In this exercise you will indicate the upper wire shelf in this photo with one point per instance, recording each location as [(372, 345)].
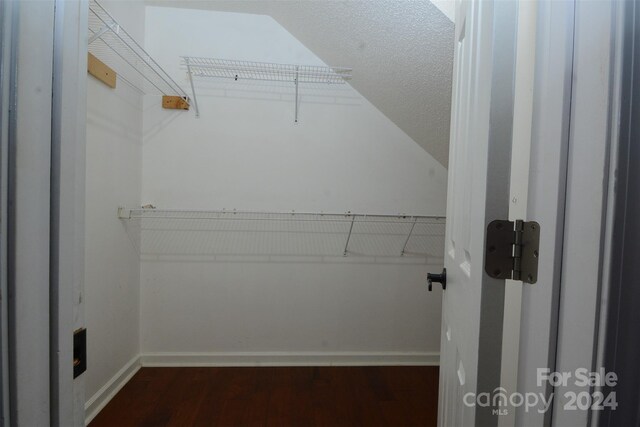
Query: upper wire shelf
[(109, 42), (250, 70), (267, 71), (183, 233)]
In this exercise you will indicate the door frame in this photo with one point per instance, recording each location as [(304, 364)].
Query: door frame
[(28, 215), (42, 182), (588, 206), (546, 198), (618, 350), (68, 160), (572, 129)]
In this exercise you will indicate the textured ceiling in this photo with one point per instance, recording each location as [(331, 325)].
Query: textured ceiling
[(401, 52)]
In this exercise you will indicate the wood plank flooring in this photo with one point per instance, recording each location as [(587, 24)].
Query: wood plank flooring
[(274, 396)]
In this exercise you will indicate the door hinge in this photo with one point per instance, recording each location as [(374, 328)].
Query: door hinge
[(512, 250)]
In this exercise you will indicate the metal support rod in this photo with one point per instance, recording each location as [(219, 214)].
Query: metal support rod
[(408, 236), (346, 245), (193, 91), (297, 96)]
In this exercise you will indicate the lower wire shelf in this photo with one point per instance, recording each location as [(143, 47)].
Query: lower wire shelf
[(173, 232)]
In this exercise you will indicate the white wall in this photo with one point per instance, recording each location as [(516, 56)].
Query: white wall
[(245, 152), (112, 275)]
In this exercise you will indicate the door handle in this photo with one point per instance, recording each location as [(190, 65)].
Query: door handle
[(438, 278)]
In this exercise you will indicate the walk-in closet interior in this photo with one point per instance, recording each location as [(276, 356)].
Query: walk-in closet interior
[(266, 185)]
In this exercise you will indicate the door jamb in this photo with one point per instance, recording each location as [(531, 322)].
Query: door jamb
[(549, 309), (68, 160), (28, 216)]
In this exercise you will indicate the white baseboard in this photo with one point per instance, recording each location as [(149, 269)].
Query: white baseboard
[(291, 359), (110, 389)]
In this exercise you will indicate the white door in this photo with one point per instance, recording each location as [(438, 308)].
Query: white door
[(479, 169)]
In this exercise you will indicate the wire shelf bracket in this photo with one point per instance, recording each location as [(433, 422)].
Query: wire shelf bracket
[(113, 46), (265, 71)]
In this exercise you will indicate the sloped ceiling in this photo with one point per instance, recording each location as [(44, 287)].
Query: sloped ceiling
[(401, 52)]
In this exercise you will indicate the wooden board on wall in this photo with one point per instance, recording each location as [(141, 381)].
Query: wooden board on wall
[(101, 71), (174, 103)]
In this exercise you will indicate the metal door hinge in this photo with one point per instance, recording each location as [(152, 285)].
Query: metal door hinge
[(512, 250)]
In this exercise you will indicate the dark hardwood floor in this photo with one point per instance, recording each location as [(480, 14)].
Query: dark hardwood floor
[(288, 396)]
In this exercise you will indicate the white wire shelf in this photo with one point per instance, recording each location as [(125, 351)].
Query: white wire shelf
[(266, 71), (250, 70), (113, 45), (183, 233)]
